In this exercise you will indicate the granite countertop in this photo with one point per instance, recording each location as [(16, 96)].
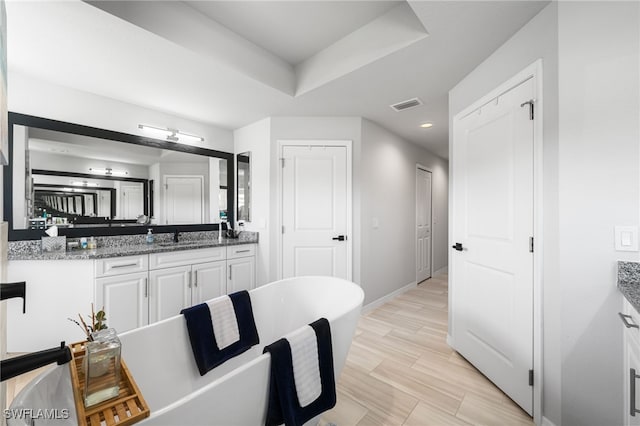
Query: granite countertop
[(629, 282), (128, 246)]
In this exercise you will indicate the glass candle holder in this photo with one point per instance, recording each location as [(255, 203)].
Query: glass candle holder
[(102, 367)]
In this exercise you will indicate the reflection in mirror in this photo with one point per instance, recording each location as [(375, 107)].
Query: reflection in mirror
[(83, 181), (244, 186)]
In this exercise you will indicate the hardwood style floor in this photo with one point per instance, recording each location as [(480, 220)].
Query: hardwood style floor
[(400, 370)]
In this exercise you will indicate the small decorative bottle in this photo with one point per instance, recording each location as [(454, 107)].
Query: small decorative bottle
[(149, 236), (102, 367)]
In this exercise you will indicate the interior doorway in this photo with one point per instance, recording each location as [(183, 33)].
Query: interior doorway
[(493, 279), (184, 199), (315, 209), (424, 239)]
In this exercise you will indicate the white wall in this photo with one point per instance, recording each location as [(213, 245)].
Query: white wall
[(35, 97), (375, 151), (388, 194), (255, 138), (599, 187), (67, 163)]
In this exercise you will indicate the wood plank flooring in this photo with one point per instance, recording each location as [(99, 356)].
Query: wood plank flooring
[(400, 370)]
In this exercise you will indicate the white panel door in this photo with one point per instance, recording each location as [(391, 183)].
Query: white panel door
[(124, 298), (184, 199), (492, 283), (131, 201), (423, 224), (209, 281), (241, 274), (169, 292), (314, 211)]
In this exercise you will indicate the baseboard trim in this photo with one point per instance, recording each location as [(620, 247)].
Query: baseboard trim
[(384, 299), (546, 422), (441, 271)]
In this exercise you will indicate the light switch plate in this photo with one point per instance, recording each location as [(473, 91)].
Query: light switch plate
[(626, 238)]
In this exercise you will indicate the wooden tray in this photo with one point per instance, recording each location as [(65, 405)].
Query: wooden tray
[(127, 408)]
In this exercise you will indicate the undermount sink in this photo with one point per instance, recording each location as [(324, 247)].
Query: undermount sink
[(178, 244)]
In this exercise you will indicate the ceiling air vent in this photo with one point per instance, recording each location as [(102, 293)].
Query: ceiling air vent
[(409, 103)]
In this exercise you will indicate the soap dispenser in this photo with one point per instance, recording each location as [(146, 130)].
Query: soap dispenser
[(149, 236)]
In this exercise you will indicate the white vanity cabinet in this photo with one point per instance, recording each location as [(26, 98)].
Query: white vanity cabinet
[(121, 288), (134, 290), (181, 279), (169, 292), (124, 299), (631, 362), (241, 267), (209, 281)]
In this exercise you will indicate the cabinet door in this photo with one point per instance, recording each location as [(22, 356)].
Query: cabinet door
[(632, 383), (124, 298), (169, 292), (209, 281), (241, 274)]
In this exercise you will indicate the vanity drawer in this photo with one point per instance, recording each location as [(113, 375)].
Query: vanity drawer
[(121, 265), (185, 257), (243, 250)]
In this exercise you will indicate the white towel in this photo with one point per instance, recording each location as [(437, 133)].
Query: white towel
[(306, 368), (225, 324)]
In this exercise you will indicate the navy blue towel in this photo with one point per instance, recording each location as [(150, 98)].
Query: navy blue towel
[(283, 397), (203, 340)]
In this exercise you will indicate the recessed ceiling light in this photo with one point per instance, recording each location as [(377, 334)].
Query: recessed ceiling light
[(426, 125)]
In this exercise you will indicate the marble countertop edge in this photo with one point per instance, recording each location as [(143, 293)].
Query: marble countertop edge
[(132, 250), (629, 282)]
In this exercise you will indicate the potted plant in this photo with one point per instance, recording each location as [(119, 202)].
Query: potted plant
[(97, 321)]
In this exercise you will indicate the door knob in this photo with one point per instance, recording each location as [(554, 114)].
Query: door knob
[(457, 246), (340, 238)]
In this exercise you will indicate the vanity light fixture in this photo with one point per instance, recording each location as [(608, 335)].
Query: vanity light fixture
[(426, 125), (187, 137), (83, 183), (109, 171), (172, 135), (156, 130)]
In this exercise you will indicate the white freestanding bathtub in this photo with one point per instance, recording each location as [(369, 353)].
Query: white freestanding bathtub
[(235, 393)]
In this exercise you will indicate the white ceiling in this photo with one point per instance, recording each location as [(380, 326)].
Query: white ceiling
[(293, 31), (239, 68)]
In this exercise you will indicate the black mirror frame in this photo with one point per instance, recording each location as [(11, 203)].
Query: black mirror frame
[(238, 161), (78, 129)]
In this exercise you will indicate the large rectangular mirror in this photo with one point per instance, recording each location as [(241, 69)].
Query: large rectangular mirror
[(108, 183), (244, 186)]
